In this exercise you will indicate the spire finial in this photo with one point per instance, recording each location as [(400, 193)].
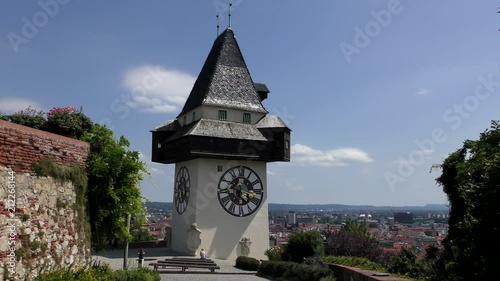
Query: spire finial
[(230, 5), (218, 25)]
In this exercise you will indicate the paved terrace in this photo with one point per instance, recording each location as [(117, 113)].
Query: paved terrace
[(227, 271)]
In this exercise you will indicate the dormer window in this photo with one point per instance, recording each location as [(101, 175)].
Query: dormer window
[(247, 118), (222, 115), (184, 120), (194, 116)]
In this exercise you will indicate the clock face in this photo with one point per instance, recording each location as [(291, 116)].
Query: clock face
[(181, 190), (240, 191)]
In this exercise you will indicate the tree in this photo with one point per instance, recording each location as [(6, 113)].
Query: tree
[(139, 232), (406, 262), (471, 179), (113, 176), (302, 245), (354, 239)]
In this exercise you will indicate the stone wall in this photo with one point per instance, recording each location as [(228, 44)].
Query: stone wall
[(41, 229)]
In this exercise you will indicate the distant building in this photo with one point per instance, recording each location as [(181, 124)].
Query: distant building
[(292, 217), (364, 217), (402, 217)]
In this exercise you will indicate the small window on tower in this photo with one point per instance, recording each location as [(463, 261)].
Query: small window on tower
[(287, 144), (247, 118), (222, 115), (184, 120), (219, 168)]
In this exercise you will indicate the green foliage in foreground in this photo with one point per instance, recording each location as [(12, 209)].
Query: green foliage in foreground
[(362, 263), (99, 273), (247, 263), (303, 245), (294, 271), (141, 274), (114, 174), (275, 254), (471, 180)]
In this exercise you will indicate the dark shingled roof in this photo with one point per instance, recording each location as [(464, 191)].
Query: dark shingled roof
[(271, 121), (170, 125), (224, 80), (261, 87), (219, 129)]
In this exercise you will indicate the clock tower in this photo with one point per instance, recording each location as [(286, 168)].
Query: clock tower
[(221, 142)]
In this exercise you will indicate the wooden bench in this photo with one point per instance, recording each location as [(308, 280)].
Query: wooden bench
[(191, 260), (183, 265), (186, 262)]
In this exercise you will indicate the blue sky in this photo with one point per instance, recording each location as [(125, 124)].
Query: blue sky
[(376, 92)]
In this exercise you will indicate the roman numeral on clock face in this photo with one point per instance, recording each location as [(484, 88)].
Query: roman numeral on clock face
[(232, 173), (240, 191), (225, 200), (256, 201)]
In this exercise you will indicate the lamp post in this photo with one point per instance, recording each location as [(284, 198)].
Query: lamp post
[(125, 254)]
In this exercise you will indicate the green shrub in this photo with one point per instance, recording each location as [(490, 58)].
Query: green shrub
[(274, 268), (279, 268), (303, 245), (95, 273), (305, 272), (292, 271), (141, 274), (265, 268), (362, 263), (275, 254), (247, 263), (99, 273), (68, 121), (328, 278), (28, 117), (407, 263)]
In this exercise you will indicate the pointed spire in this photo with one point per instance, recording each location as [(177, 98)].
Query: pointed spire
[(230, 5), (224, 80), (217, 26)]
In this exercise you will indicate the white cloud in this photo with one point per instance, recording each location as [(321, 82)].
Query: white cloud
[(156, 171), (156, 89), (305, 155), (423, 92), (294, 186), (11, 105), (151, 165)]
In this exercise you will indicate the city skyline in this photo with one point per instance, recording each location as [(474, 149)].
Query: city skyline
[(375, 93)]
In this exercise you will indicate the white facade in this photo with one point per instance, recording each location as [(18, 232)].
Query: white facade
[(221, 232)]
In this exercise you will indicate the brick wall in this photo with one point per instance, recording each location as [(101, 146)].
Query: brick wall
[(21, 146)]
